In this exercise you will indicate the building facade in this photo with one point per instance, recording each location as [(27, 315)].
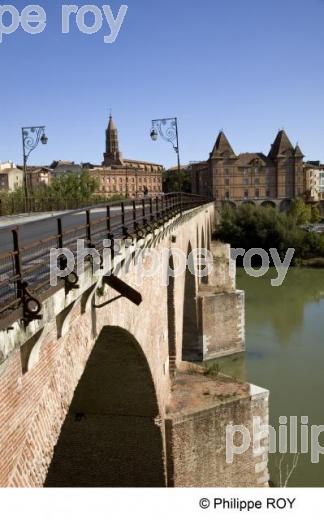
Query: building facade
[(127, 177), (11, 177), (314, 181), (273, 179)]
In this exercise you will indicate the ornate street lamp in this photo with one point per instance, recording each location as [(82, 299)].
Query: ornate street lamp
[(31, 136), (168, 131)]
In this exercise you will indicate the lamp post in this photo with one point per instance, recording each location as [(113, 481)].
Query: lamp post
[(31, 136), (168, 130)]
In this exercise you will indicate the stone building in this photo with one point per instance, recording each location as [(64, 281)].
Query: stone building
[(38, 176), (128, 177), (314, 181), (274, 179), (11, 177)]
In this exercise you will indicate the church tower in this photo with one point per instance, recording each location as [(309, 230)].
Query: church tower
[(112, 155)]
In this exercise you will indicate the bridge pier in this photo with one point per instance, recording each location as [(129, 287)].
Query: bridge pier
[(96, 368), (220, 311), (202, 407)]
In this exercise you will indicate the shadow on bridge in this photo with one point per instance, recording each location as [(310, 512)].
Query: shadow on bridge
[(191, 342), (109, 437)]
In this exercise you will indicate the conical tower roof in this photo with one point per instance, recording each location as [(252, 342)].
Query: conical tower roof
[(298, 152), (222, 146), (111, 124), (281, 145)]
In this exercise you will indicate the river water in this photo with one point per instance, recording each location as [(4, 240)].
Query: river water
[(285, 353)]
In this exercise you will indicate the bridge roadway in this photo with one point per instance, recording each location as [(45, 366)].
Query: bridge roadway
[(28, 260), (43, 227)]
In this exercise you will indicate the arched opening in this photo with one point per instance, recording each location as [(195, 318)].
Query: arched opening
[(248, 202), (229, 204), (268, 204), (171, 321), (321, 205), (110, 437), (191, 350), (285, 205)]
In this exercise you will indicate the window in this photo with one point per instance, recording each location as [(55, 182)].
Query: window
[(227, 195), (246, 182), (246, 194), (256, 180), (226, 171), (268, 193), (257, 193), (226, 182)]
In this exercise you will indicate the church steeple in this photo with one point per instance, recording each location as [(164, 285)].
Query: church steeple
[(112, 154)]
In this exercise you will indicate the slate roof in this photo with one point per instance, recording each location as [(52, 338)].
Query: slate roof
[(281, 145), (222, 147)]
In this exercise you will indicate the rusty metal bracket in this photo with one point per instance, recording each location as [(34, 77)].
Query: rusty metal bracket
[(71, 282), (31, 305), (124, 290)]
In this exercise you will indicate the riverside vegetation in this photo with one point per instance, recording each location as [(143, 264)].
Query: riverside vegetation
[(252, 226)]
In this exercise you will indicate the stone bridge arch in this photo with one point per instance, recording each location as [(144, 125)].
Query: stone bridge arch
[(47, 378), (110, 436)]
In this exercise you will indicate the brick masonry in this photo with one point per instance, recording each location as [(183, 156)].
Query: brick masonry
[(41, 366)]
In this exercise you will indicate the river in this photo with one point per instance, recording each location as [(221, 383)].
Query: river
[(285, 353)]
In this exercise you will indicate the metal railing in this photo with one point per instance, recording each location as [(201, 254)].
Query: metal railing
[(25, 268), (12, 205)]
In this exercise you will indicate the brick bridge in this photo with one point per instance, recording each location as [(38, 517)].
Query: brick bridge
[(100, 388)]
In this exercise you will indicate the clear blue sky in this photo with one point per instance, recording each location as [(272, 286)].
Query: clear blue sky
[(247, 66)]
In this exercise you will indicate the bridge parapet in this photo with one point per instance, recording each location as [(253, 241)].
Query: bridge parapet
[(94, 360)]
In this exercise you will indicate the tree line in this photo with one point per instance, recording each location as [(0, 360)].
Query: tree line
[(250, 226)]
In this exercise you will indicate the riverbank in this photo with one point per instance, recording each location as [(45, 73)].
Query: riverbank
[(314, 263)]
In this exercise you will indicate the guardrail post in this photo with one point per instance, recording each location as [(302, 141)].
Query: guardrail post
[(88, 228), (124, 228), (17, 262), (110, 236), (144, 212), (60, 241), (122, 206), (151, 209), (134, 212), (163, 207), (108, 221), (157, 207)]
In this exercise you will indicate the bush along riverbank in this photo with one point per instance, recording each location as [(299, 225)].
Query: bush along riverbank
[(250, 226)]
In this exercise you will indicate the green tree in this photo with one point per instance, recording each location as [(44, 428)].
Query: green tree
[(256, 227), (300, 211), (73, 186), (171, 181), (315, 214)]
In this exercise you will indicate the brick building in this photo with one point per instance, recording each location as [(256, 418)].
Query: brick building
[(273, 179), (127, 177)]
